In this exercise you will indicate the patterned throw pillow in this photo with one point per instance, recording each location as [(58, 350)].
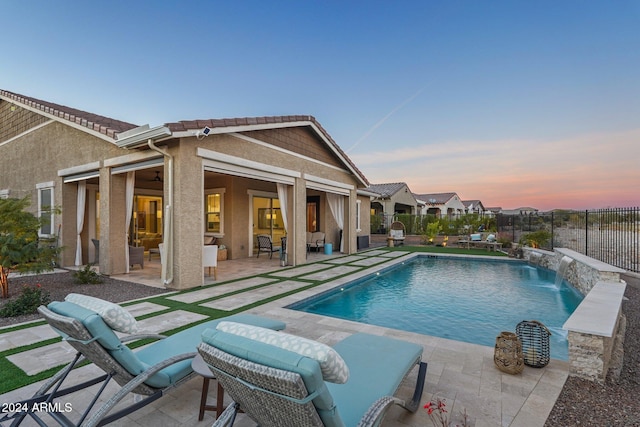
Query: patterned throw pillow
[(113, 315), (333, 367)]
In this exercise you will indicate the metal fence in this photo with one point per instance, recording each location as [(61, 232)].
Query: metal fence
[(610, 235)]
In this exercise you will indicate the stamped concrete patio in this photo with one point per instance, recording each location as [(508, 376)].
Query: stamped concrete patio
[(462, 373)]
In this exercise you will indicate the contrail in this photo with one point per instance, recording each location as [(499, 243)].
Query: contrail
[(385, 118)]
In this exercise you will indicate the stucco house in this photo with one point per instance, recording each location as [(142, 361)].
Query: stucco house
[(392, 198), (475, 207), (178, 183), (443, 205)]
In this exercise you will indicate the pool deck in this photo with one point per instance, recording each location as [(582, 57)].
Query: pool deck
[(462, 373)]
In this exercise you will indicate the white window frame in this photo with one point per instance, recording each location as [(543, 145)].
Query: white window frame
[(4, 194), (358, 219), (41, 187), (220, 191)]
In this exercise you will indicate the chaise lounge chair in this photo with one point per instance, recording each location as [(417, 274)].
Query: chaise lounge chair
[(280, 380), (88, 325)]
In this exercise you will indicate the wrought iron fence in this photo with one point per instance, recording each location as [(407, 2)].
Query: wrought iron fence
[(610, 235)]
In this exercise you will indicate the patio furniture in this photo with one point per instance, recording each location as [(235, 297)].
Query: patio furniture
[(315, 240), (136, 255), (210, 259), (89, 324), (265, 244), (96, 244), (397, 233), (201, 368), (280, 380)]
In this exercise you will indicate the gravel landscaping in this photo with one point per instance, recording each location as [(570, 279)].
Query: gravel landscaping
[(581, 403)]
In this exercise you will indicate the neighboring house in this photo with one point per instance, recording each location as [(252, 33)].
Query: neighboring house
[(178, 183), (494, 210), (474, 207), (443, 205), (392, 198), (519, 211)]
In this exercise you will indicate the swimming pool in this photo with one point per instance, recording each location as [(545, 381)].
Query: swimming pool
[(466, 300)]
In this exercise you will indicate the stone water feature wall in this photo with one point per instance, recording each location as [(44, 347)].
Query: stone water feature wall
[(596, 328)]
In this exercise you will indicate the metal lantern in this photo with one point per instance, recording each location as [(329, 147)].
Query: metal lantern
[(508, 353), (534, 337)]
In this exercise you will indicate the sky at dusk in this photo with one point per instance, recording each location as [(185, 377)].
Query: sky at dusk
[(514, 103)]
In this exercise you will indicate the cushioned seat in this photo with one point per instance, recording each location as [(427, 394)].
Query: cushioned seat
[(282, 380), (88, 325)]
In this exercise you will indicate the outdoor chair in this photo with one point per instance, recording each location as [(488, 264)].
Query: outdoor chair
[(280, 380), (210, 259), (136, 255), (96, 243), (315, 240), (397, 233), (265, 244), (89, 324)]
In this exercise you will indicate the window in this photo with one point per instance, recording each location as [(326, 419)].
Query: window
[(358, 228), (45, 208), (4, 194), (214, 211)]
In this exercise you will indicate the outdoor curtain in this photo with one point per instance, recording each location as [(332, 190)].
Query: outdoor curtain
[(82, 196), (336, 204), (282, 197), (131, 180)]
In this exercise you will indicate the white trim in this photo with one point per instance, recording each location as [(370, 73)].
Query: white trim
[(81, 177), (138, 156), (237, 166), (13, 138), (284, 150), (148, 164), (327, 185), (241, 128), (358, 213), (48, 184), (4, 194), (88, 167)]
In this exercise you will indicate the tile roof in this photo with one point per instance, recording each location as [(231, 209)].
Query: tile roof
[(439, 198), (111, 127), (104, 125), (185, 125), (387, 189)]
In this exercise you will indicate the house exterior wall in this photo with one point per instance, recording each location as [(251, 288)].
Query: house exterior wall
[(37, 156)]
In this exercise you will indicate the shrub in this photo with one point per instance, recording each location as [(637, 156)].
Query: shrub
[(537, 239), (30, 298), (86, 276)]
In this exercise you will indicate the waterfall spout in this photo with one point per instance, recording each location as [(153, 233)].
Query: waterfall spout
[(562, 269)]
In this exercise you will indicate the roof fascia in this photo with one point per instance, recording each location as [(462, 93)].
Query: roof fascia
[(60, 120), (140, 136), (265, 126)]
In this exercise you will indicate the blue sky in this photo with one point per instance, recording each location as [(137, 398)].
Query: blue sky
[(515, 103)]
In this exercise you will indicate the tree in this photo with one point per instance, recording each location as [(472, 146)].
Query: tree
[(20, 247)]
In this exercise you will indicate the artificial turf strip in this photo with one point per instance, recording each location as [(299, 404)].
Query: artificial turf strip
[(12, 377)]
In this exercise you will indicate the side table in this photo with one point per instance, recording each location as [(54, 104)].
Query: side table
[(200, 367)]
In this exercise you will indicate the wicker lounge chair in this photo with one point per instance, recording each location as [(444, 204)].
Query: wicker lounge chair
[(397, 232), (151, 371), (278, 385)]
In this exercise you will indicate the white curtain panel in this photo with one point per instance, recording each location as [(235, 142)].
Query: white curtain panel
[(282, 197), (129, 186), (82, 197), (336, 204)]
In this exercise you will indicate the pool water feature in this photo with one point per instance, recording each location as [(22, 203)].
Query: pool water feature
[(466, 300)]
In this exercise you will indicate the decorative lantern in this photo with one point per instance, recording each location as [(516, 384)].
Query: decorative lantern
[(508, 353), (534, 337)]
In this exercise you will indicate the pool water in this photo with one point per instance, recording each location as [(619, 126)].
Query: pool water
[(464, 300)]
